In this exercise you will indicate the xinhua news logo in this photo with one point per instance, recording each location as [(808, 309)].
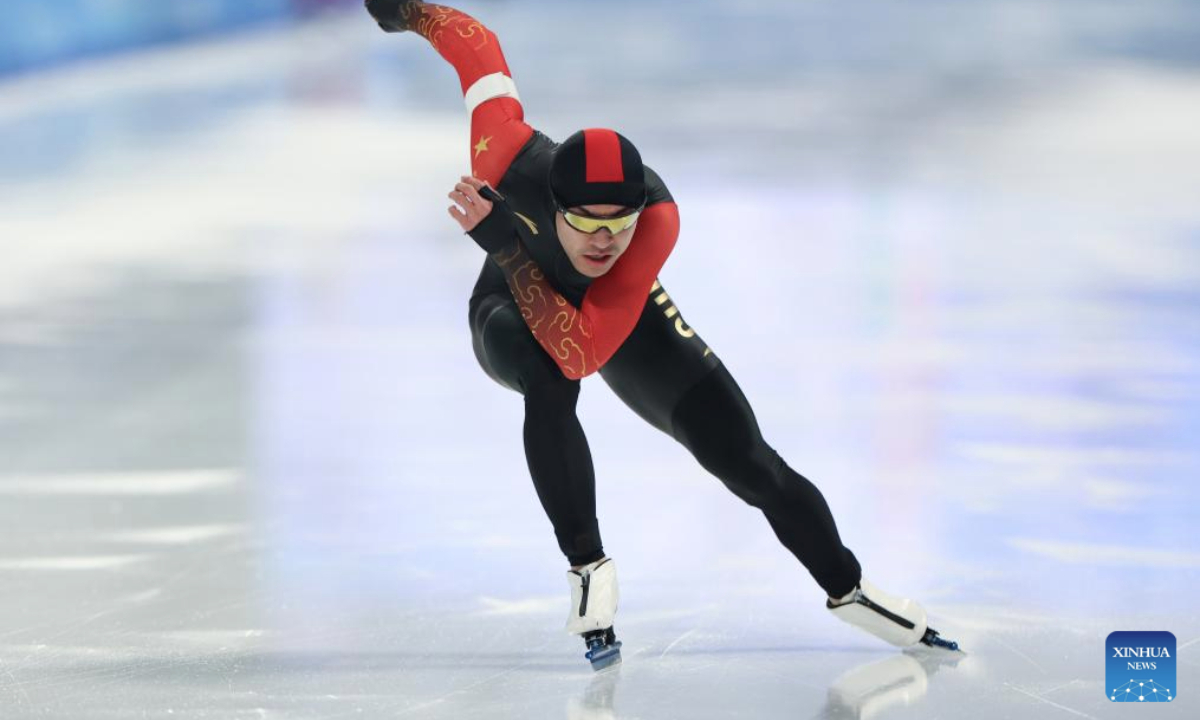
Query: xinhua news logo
[(1140, 666)]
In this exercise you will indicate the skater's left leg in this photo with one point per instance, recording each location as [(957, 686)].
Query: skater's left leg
[(670, 377), (715, 422)]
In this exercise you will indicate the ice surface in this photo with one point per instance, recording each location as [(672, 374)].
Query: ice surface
[(249, 467)]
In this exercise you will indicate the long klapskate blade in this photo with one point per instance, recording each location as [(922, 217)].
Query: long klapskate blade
[(606, 659), (603, 657), (933, 639)]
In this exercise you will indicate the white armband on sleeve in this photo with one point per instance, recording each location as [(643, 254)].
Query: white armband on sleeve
[(488, 87)]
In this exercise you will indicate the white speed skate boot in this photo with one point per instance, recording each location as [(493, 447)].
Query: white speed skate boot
[(593, 607), (899, 621)]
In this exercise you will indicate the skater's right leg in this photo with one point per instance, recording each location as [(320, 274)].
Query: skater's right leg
[(559, 462), (556, 448)]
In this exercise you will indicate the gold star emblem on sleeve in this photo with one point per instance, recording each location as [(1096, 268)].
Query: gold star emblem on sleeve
[(481, 146)]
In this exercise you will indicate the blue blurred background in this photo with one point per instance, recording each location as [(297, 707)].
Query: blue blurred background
[(36, 33)]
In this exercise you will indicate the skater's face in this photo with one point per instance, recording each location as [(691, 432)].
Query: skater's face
[(594, 254)]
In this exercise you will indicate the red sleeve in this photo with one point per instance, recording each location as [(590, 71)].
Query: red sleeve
[(498, 127), (581, 340)]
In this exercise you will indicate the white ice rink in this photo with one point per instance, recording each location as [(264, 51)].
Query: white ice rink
[(249, 467)]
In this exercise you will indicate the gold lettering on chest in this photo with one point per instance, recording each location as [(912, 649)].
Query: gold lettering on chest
[(661, 298)]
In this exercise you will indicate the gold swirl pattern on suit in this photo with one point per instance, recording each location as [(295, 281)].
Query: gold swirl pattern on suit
[(563, 321), (434, 19), (565, 351), (431, 21), (557, 325), (473, 29)]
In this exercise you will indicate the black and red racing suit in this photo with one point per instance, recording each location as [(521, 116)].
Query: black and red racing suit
[(538, 326)]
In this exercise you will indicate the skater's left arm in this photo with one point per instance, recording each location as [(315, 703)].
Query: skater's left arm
[(614, 301)]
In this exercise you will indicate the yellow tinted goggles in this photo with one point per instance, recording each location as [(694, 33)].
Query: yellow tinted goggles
[(588, 224)]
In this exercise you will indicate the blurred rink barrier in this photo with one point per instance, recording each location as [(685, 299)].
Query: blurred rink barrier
[(38, 33)]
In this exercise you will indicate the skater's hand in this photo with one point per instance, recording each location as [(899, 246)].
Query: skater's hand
[(491, 229), (472, 207)]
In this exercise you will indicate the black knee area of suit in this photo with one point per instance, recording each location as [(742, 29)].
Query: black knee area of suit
[(716, 423), (505, 348), (752, 471), (550, 393)]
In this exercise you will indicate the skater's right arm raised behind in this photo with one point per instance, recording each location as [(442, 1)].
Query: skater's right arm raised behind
[(582, 339), (498, 127)]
